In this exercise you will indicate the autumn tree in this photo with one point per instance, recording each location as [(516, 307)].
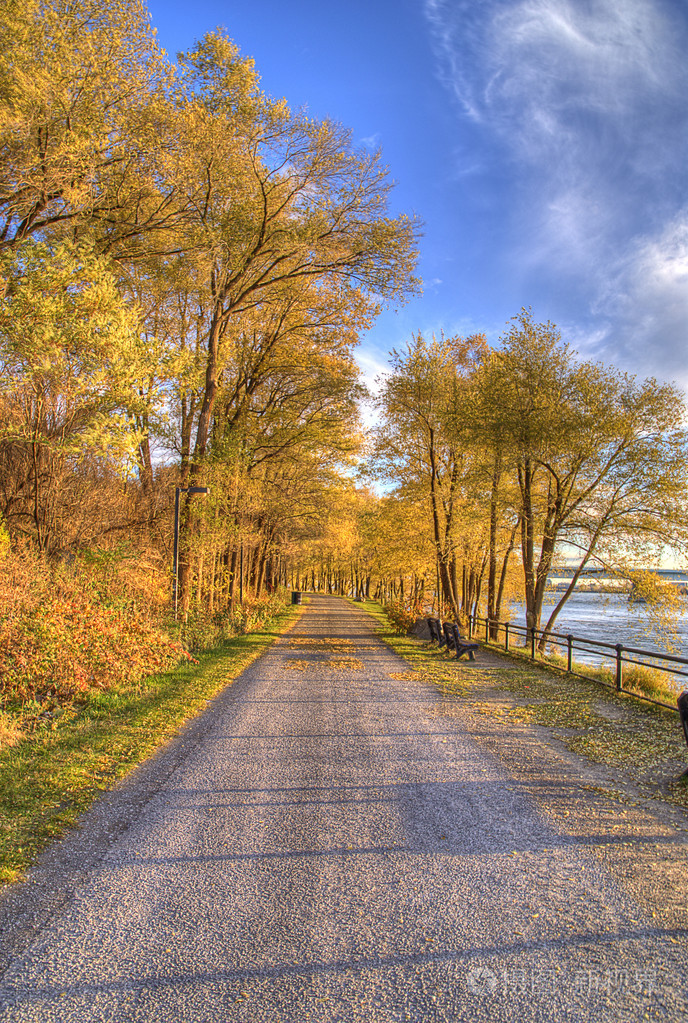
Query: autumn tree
[(291, 244), (420, 448), (287, 205), (246, 245), (83, 123), (600, 459), (71, 358)]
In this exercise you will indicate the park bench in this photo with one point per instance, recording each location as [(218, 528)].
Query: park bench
[(682, 703), (456, 642), (448, 633), (436, 634)]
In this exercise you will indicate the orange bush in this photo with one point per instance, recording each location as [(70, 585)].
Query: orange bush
[(402, 616), (60, 635), (96, 622)]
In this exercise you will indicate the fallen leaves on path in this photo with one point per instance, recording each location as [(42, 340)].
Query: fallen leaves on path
[(326, 663)]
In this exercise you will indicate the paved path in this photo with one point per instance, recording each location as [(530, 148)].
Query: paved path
[(334, 840)]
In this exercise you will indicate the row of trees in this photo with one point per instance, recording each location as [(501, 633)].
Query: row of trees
[(186, 266), (497, 463), (506, 457)]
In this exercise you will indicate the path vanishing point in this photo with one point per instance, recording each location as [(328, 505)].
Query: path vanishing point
[(335, 840)]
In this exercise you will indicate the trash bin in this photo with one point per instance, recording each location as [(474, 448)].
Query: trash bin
[(296, 596)]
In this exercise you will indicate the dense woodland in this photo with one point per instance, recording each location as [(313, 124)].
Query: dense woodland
[(186, 268)]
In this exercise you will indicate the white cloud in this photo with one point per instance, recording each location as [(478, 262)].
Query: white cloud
[(371, 367), (579, 93), (527, 67), (372, 142), (566, 232), (585, 101), (372, 370), (646, 297), (551, 58)]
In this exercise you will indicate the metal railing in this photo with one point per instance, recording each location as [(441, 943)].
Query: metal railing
[(617, 653)]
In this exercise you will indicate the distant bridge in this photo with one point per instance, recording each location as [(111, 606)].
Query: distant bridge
[(562, 573)]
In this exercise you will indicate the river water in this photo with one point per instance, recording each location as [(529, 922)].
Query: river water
[(609, 617)]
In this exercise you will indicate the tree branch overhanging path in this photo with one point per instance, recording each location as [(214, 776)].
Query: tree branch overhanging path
[(334, 837)]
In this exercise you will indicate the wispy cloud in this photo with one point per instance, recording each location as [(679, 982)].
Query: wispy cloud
[(528, 67), (372, 368), (647, 296), (372, 142), (587, 101)]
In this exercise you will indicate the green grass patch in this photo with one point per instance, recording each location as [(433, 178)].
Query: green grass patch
[(642, 740), (640, 680), (55, 764)]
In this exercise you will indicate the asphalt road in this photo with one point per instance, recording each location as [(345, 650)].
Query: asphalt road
[(334, 840)]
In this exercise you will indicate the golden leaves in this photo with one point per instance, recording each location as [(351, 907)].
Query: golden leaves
[(344, 664), (329, 654), (326, 664)]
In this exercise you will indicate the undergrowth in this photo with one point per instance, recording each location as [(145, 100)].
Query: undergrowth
[(94, 675), (90, 623), (638, 679)]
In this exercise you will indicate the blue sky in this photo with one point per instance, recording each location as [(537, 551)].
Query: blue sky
[(543, 143)]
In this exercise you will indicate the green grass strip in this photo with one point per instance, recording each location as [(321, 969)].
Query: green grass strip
[(50, 777), (644, 742)]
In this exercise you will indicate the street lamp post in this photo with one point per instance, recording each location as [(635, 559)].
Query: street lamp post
[(177, 492)]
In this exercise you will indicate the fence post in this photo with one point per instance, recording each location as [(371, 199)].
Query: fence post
[(619, 667), (487, 630), (506, 636), (569, 640), (532, 642)]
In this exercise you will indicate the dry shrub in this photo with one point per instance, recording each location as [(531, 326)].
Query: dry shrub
[(97, 620), (402, 616), (65, 629)]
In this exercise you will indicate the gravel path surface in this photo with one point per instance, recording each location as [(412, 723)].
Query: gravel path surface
[(334, 840)]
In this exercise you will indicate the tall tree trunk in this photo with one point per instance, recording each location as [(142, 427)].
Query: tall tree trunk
[(570, 588), (505, 565), (479, 584), (525, 479), (143, 455), (234, 557), (492, 573)]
